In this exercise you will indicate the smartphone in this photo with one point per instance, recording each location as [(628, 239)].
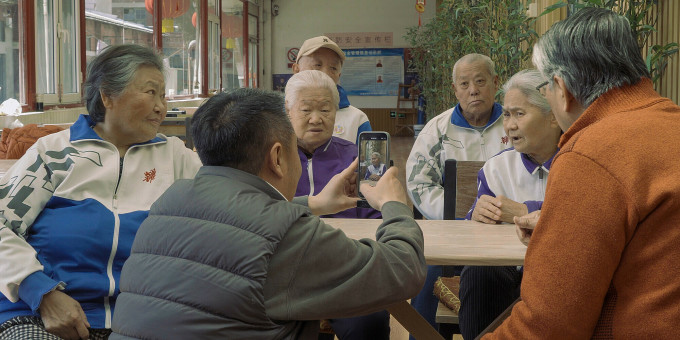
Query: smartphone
[(374, 156)]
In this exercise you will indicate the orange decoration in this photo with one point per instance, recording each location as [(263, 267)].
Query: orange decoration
[(171, 8), (193, 19)]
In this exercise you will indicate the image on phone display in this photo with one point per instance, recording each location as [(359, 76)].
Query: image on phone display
[(374, 156)]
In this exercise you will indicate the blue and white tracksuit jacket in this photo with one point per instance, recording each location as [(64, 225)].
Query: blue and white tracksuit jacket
[(448, 136), (349, 121), (514, 175), (70, 208)]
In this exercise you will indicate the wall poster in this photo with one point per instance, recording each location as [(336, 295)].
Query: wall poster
[(372, 71)]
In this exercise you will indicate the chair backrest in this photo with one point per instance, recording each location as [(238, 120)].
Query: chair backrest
[(460, 187), (188, 138)]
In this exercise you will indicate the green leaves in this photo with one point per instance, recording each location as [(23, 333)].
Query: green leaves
[(643, 17), (497, 28)]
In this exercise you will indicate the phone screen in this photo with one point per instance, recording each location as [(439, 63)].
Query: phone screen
[(374, 156)]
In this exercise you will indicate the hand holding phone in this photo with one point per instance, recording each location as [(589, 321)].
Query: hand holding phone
[(388, 188), (374, 158)]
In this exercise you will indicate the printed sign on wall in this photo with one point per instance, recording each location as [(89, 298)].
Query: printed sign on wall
[(372, 71), (362, 39)]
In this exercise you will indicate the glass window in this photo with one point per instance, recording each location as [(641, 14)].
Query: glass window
[(108, 23), (10, 79), (253, 55), (213, 53), (232, 44), (57, 63), (181, 47), (45, 62)]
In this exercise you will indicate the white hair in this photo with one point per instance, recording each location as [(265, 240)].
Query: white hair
[(310, 79)]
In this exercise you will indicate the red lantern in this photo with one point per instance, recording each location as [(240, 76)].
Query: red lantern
[(193, 19), (171, 8), (232, 26)]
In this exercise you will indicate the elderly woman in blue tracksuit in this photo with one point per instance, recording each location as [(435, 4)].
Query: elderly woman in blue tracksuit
[(512, 183), (71, 206), (311, 102)]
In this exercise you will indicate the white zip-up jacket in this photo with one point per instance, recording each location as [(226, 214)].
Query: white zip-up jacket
[(70, 208), (448, 136), (514, 175)]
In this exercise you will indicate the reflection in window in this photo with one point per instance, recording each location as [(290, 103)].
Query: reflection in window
[(108, 25), (232, 44), (181, 47), (10, 79), (57, 43)]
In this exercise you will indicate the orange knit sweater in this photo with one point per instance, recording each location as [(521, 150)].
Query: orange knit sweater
[(604, 260), (15, 142)]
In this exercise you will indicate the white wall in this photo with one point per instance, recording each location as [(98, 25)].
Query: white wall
[(299, 20)]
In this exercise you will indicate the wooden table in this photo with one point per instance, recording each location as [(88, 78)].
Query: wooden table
[(452, 242)]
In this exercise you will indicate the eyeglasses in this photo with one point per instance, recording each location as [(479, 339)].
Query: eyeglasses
[(541, 87)]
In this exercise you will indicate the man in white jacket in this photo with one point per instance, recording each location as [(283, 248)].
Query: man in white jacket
[(470, 131)]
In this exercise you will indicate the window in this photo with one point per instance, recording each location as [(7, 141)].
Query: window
[(56, 42), (45, 45), (10, 80), (253, 42), (232, 44), (108, 23)]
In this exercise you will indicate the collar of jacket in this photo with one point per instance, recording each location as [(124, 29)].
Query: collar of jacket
[(344, 101), (321, 148), (82, 129), (532, 167), (458, 119), (615, 101)]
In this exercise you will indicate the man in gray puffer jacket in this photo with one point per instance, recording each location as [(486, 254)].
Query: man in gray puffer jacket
[(231, 255)]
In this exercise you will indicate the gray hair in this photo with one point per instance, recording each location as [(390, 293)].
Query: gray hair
[(112, 71), (307, 79), (594, 51), (474, 58), (526, 81), (376, 154)]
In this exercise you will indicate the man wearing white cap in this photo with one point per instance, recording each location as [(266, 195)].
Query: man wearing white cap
[(321, 53)]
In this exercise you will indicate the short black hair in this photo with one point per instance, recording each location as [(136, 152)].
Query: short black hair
[(237, 128)]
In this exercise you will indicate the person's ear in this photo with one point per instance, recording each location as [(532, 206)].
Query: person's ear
[(106, 100), (552, 120), (495, 82), (275, 160), (296, 68), (565, 100)]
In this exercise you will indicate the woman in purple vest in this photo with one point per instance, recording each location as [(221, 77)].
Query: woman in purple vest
[(311, 102)]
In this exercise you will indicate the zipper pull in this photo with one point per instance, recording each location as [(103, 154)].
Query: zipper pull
[(540, 173)]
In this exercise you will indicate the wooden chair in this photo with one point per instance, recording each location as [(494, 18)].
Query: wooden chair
[(460, 187), (460, 192)]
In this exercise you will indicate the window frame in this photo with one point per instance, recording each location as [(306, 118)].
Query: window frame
[(27, 53)]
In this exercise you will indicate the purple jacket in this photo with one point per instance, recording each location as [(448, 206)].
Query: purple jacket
[(327, 161)]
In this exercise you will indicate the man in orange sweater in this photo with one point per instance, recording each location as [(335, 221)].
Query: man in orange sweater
[(604, 257)]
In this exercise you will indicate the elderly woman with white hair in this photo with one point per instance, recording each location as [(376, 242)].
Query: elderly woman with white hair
[(311, 102), (510, 184)]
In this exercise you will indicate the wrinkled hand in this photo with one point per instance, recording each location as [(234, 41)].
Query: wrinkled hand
[(339, 194), (524, 225), (497, 209), (387, 189), (63, 316), (374, 177)]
